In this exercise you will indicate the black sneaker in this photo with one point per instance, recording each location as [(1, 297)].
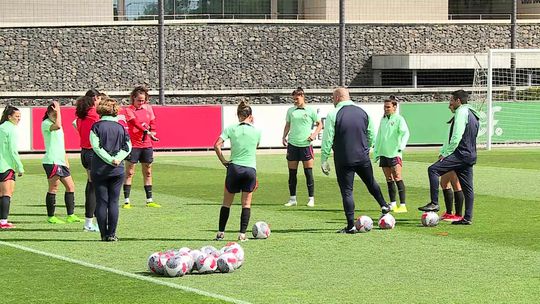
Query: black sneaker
[(220, 236), (347, 230), (430, 207), (385, 209), (462, 222)]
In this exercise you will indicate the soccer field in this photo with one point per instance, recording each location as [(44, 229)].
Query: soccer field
[(496, 260)]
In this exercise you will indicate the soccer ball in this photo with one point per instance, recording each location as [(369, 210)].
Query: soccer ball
[(210, 250), (387, 221), (227, 262), (238, 252), (183, 250), (429, 219), (364, 223), (156, 262), (177, 266), (206, 263), (260, 230), (195, 254)]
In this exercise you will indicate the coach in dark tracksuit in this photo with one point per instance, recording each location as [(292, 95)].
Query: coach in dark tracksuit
[(348, 130), (110, 142), (457, 154)]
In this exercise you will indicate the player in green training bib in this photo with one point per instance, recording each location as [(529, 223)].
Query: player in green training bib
[(9, 161), (241, 168), (390, 142), (56, 165), (298, 134)]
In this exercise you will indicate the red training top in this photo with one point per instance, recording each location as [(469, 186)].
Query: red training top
[(85, 125), (139, 120)]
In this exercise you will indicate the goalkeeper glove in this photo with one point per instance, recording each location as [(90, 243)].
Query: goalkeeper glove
[(325, 167)]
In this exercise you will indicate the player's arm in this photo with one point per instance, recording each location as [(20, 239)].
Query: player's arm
[(15, 154), (370, 132), (460, 122), (328, 136), (318, 129), (377, 143), (57, 124), (217, 148), (405, 134), (96, 146), (124, 152), (286, 130)]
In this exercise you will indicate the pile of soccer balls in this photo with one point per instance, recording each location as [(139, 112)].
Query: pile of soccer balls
[(177, 263)]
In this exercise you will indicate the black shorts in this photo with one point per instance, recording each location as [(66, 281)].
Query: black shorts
[(295, 153), (86, 158), (142, 155), (240, 178), (390, 162), (51, 170), (8, 175)]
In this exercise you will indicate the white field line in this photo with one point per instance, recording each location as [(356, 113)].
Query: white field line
[(126, 274)]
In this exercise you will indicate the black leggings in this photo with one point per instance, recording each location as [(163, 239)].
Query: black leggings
[(107, 191)]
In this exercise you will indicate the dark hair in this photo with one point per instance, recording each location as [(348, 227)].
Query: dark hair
[(461, 95), (50, 108), (243, 111), (82, 105), (92, 93), (136, 91), (392, 100), (9, 110), (298, 91)]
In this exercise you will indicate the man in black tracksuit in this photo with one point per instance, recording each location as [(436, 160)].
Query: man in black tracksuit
[(348, 130), (457, 154), (111, 144)]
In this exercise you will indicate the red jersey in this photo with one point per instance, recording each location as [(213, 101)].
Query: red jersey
[(85, 125), (138, 121)]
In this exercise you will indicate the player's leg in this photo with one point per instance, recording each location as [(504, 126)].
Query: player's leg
[(249, 184), (102, 199), (230, 189), (465, 176), (50, 197), (458, 196), (391, 184), (435, 171), (130, 171), (69, 196), (448, 195), (365, 171), (89, 194), (7, 187), (114, 187), (398, 178), (147, 158), (308, 162), (292, 163), (345, 179)]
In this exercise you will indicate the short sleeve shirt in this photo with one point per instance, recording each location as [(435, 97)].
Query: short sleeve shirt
[(301, 121), (244, 139), (55, 152)]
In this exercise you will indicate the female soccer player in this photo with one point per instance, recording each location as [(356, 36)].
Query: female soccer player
[(297, 137), (241, 168), (452, 192), (86, 117), (111, 145), (9, 161), (390, 142), (142, 130), (56, 165)]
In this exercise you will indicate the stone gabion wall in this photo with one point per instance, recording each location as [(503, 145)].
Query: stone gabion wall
[(225, 56)]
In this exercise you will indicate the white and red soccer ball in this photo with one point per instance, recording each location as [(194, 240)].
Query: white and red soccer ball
[(363, 223), (387, 221), (177, 266), (429, 219), (206, 263), (227, 262), (260, 230)]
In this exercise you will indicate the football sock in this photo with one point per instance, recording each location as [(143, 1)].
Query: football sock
[(148, 190), (4, 208), (127, 191), (292, 181), (50, 201), (223, 217), (459, 198), (88, 221), (401, 191), (69, 199), (448, 199), (244, 219), (90, 200), (391, 190), (292, 198), (309, 181)]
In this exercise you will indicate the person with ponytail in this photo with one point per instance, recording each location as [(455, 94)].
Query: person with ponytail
[(56, 165), (86, 117), (297, 137), (9, 161), (241, 168)]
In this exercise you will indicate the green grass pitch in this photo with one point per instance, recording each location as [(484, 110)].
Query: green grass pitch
[(496, 260)]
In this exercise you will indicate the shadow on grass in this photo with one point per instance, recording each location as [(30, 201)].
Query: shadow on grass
[(29, 214)]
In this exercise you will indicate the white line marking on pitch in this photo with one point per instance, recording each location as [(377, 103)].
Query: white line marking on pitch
[(127, 274)]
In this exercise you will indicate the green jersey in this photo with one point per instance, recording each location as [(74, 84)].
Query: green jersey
[(55, 152), (9, 156), (244, 141), (301, 121), (392, 137)]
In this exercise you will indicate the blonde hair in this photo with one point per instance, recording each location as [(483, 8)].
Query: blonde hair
[(108, 107)]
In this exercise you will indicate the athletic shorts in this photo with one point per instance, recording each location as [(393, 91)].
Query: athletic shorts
[(86, 158), (8, 175), (240, 178), (295, 153), (142, 155), (390, 162), (51, 170)]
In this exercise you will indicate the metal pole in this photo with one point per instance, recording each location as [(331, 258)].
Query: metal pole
[(161, 51), (342, 43), (489, 114), (513, 36)]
